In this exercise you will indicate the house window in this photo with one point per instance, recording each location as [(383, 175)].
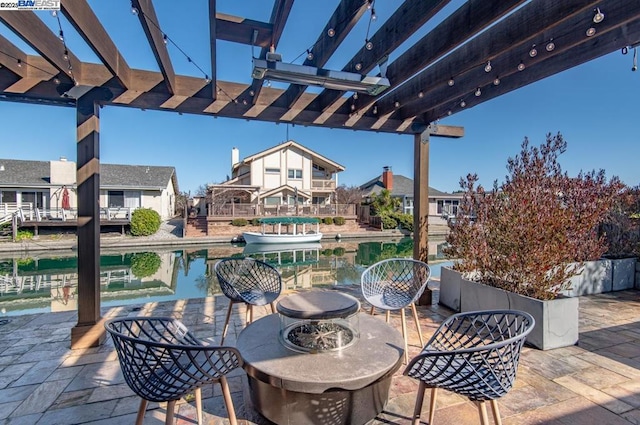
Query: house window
[(7, 196), (294, 173), (448, 206), (34, 198), (115, 199), (319, 200), (272, 200), (272, 170), (318, 171)]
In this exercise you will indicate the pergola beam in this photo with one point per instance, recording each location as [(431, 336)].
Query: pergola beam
[(344, 18), (407, 19), (155, 37), (36, 34), (213, 48), (279, 16), (89, 27), (533, 24), (240, 30)]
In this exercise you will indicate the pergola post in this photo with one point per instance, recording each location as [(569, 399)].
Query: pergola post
[(421, 203), (89, 332)]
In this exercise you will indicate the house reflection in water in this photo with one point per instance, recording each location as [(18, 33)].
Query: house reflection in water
[(48, 283)]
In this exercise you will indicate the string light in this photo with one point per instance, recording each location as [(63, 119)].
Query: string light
[(533, 52), (591, 32), (598, 17), (368, 45), (355, 96), (496, 81), (375, 110), (19, 61), (65, 51), (358, 66), (166, 40), (420, 94), (331, 32), (550, 45), (488, 67), (463, 103), (478, 92), (451, 82), (396, 104), (521, 66), (309, 54)]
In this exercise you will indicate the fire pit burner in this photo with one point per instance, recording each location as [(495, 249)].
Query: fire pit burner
[(318, 321)]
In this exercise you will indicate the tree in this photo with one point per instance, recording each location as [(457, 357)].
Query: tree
[(384, 203), (349, 194)]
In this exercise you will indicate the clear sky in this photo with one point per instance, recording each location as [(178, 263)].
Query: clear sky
[(595, 107)]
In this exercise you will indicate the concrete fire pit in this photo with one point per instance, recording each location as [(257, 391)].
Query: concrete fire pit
[(345, 386)]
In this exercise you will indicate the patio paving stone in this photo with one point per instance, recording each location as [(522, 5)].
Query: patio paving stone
[(596, 381)]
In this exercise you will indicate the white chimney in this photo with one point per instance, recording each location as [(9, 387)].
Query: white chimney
[(235, 156)]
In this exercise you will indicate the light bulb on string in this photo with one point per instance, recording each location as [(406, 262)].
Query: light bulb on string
[(591, 32), (165, 39), (521, 66), (550, 46), (368, 45), (309, 55), (478, 92), (331, 32), (451, 82), (533, 52), (488, 67), (496, 81), (358, 66)]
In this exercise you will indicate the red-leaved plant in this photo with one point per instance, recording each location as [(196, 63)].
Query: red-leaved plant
[(524, 235), (621, 227)]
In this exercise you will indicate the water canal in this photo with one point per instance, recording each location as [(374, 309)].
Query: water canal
[(47, 281)]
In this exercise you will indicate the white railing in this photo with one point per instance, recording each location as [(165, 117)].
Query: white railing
[(253, 210), (323, 184), (26, 209)]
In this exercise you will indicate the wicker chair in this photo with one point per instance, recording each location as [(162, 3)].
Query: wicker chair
[(248, 281), (474, 354), (394, 284), (162, 361)]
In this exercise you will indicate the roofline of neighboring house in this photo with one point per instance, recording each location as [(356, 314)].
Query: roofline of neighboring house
[(288, 143)]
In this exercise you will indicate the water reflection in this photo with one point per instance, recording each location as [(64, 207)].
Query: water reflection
[(48, 281)]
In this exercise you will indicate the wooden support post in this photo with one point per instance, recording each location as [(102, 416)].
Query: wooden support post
[(421, 204), (89, 332)]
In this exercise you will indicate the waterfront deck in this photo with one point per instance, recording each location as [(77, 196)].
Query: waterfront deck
[(42, 381)]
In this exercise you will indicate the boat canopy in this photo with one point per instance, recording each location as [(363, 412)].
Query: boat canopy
[(289, 220)]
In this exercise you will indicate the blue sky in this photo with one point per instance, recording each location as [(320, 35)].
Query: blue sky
[(594, 106)]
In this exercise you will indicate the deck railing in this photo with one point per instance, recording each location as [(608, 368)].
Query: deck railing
[(323, 184), (253, 210)]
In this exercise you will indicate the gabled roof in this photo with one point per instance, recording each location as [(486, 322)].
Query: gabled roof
[(284, 188), (402, 186), (290, 144), (24, 173)]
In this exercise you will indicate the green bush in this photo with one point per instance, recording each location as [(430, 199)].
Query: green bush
[(255, 221), (328, 252), (388, 221), (327, 220), (405, 221), (240, 222), (144, 222), (338, 252), (24, 235), (145, 264), (339, 221)]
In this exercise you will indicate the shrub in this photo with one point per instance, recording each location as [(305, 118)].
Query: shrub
[(523, 235), (339, 221), (144, 222), (338, 252), (405, 221), (145, 264), (328, 252), (388, 221), (24, 234), (621, 228), (240, 222), (255, 221), (327, 220)]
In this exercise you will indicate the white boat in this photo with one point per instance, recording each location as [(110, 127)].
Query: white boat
[(285, 230)]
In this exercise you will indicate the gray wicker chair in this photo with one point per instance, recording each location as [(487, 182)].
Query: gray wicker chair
[(474, 354), (249, 281), (162, 361), (394, 284)]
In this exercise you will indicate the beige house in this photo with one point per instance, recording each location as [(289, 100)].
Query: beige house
[(41, 185), (286, 174)]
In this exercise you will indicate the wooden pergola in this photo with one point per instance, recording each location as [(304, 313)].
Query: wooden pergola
[(483, 49)]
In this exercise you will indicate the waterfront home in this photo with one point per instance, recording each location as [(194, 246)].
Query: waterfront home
[(286, 174), (442, 205), (43, 185)]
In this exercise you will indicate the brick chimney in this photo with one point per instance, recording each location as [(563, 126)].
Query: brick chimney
[(387, 178)]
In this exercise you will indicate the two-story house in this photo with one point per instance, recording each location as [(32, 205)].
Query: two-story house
[(285, 174)]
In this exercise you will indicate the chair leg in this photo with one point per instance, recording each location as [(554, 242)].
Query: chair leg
[(372, 310), (432, 405), (250, 314), (496, 412), (227, 401), (226, 322), (404, 335), (141, 410), (418, 407), (482, 410), (273, 308), (388, 315), (171, 405), (415, 319), (198, 393)]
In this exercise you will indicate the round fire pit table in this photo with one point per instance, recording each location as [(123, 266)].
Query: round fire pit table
[(345, 386)]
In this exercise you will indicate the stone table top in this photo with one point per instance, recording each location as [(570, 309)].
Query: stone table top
[(318, 305), (378, 352)]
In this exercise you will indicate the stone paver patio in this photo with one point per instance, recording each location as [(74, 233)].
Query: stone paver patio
[(597, 381)]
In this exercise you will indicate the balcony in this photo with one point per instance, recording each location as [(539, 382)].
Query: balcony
[(323, 185)]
